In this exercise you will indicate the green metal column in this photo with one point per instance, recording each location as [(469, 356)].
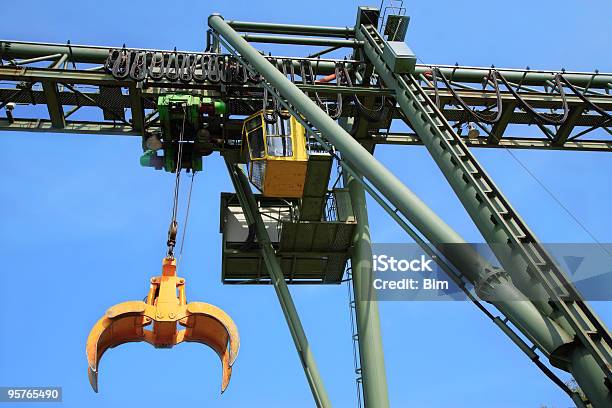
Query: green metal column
[(251, 212), (374, 376)]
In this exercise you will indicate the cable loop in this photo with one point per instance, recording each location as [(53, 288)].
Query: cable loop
[(479, 116), (583, 97), (544, 118)]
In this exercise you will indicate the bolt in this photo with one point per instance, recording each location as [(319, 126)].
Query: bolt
[(171, 315), (160, 315)]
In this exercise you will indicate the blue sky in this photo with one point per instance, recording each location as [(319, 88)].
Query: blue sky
[(84, 226)]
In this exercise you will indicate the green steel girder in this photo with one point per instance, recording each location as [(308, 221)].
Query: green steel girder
[(56, 112), (295, 40), (590, 356), (498, 129), (292, 29), (253, 217), (137, 108), (508, 142), (71, 127), (408, 139), (139, 99), (371, 356), (565, 129), (97, 55)]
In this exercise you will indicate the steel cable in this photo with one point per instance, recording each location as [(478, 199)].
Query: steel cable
[(177, 181)]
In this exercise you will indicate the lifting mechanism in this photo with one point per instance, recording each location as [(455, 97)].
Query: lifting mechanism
[(166, 303), (126, 322)]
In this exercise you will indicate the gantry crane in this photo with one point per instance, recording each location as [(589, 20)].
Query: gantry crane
[(294, 117)]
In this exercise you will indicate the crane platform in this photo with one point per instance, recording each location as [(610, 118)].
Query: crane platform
[(310, 252)]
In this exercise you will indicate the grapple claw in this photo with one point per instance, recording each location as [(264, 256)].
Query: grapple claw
[(210, 325), (125, 322)]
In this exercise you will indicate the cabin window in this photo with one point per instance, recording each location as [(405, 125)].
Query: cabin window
[(256, 144), (279, 146), (278, 138), (258, 170)]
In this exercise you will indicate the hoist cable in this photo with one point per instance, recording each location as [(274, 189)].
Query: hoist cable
[(177, 181), (186, 221)]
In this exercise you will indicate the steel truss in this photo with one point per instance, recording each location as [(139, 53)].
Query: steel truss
[(67, 78)]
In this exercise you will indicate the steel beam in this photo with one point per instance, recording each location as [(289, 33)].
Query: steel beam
[(508, 142), (56, 112), (523, 76), (295, 40), (137, 109), (473, 97), (73, 127), (292, 29), (499, 128), (371, 356), (34, 74), (253, 217), (91, 54), (565, 129), (97, 55)]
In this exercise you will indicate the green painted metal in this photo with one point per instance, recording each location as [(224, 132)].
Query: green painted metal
[(374, 376), (588, 357), (400, 58), (56, 112), (97, 55), (91, 54), (252, 27), (249, 206), (522, 76), (388, 184), (71, 127), (325, 42), (508, 142), (169, 109), (490, 282)]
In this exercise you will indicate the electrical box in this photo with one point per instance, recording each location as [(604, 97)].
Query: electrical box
[(399, 57)]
